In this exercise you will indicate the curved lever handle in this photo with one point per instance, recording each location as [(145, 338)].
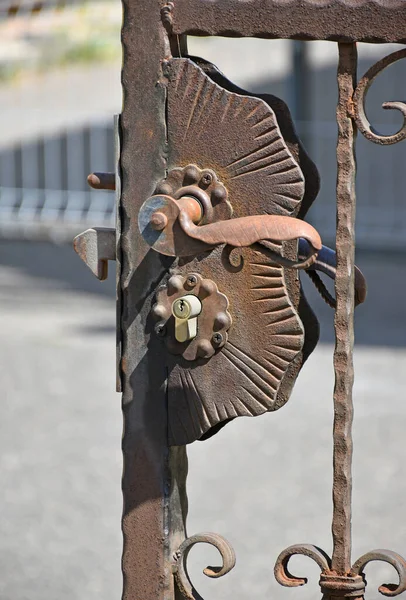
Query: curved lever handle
[(246, 231), (170, 227), (326, 262)]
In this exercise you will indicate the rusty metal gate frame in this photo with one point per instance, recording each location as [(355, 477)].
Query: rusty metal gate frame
[(154, 477)]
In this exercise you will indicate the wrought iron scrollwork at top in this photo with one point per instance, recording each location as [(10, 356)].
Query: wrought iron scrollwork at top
[(332, 584), (360, 94)]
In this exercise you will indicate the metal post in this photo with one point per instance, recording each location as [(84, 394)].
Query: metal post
[(344, 316), (152, 501)]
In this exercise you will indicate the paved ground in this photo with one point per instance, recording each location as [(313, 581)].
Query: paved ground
[(263, 483)]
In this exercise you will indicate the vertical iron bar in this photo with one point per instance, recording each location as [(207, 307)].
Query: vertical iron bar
[(147, 474), (344, 315)]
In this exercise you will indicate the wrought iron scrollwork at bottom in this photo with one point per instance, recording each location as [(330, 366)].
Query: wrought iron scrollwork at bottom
[(180, 567), (352, 585)]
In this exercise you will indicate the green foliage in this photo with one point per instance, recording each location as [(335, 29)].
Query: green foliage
[(84, 34)]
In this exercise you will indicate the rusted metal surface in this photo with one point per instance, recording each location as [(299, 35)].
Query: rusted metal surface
[(344, 315), (201, 184), (172, 226), (281, 570), (338, 578), (152, 506), (237, 140), (334, 580), (220, 178), (180, 566), (389, 557), (359, 20), (214, 322), (350, 585), (360, 94), (96, 247), (246, 231)]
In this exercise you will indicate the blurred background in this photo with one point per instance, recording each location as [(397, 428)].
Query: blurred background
[(263, 483)]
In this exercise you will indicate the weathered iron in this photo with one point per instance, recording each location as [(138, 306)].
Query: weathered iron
[(177, 222), (360, 93), (213, 188), (339, 20), (214, 321), (96, 247)]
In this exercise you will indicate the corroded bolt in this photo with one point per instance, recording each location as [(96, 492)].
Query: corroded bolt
[(217, 339), (158, 221), (207, 179), (160, 329), (192, 280)]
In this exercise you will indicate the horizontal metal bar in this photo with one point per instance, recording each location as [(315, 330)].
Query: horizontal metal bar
[(337, 20)]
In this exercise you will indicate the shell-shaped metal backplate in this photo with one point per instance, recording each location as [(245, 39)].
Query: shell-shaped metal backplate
[(240, 139)]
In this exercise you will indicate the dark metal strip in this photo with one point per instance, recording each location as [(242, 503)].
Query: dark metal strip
[(117, 187)]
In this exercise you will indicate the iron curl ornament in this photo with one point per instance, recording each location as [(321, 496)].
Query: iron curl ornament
[(281, 570), (392, 558), (332, 585), (359, 98), (180, 566)]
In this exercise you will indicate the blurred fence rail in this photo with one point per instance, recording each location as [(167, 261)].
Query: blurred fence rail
[(55, 132), (9, 8), (44, 194)]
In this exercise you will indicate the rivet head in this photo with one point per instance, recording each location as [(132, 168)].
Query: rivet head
[(192, 280), (160, 329), (207, 178), (217, 339), (158, 221)]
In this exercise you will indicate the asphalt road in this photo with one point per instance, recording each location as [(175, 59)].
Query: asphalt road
[(263, 483)]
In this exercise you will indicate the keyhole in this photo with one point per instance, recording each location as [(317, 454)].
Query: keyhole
[(181, 305)]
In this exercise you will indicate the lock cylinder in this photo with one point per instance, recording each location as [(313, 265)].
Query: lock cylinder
[(191, 316), (185, 311)]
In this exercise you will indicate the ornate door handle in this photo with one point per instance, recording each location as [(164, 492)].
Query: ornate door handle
[(172, 227)]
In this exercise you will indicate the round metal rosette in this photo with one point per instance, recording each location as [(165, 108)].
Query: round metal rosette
[(214, 320), (182, 184), (202, 184)]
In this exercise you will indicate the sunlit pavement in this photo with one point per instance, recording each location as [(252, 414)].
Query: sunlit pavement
[(263, 483)]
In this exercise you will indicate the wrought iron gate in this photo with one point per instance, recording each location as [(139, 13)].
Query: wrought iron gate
[(212, 189)]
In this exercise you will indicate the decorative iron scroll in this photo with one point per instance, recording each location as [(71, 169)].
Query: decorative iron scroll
[(173, 117), (180, 566), (349, 585), (338, 578), (360, 94)]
